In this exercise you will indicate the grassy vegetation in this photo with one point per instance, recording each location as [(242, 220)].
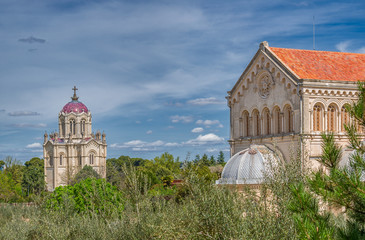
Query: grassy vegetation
[(197, 210)]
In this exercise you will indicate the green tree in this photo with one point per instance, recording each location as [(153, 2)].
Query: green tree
[(33, 178), (338, 187), (2, 164), (89, 195), (160, 167), (10, 181), (197, 159), (212, 161), (204, 160), (220, 159), (86, 172)]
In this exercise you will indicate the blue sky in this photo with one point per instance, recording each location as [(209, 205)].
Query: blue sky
[(153, 73)]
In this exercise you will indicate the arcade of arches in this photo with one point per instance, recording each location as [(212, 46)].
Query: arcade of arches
[(287, 97)]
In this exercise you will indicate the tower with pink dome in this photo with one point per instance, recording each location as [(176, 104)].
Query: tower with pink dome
[(75, 145)]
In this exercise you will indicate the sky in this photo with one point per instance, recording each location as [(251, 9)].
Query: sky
[(154, 74)]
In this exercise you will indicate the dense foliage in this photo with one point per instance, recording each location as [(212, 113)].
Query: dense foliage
[(89, 195)]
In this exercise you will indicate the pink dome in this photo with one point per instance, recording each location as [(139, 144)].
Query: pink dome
[(75, 106)]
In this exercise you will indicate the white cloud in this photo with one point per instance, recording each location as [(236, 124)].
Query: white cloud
[(208, 123), (183, 119), (29, 125), (205, 101), (138, 122), (173, 144), (197, 130), (209, 138), (135, 143), (157, 143), (212, 150), (23, 113), (343, 46), (34, 145), (149, 132), (143, 149)]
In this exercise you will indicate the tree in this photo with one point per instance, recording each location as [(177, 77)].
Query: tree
[(197, 159), (33, 178), (89, 195), (220, 159), (161, 167), (10, 181), (338, 187), (2, 164), (204, 160), (85, 173), (212, 161)]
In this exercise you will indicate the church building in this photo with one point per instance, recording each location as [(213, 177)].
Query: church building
[(74, 145), (285, 99)]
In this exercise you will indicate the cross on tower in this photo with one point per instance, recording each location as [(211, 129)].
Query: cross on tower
[(75, 97)]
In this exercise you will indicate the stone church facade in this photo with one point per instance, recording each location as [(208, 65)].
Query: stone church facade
[(287, 97), (75, 145)]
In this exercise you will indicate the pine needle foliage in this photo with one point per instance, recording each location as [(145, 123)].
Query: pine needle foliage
[(335, 188)]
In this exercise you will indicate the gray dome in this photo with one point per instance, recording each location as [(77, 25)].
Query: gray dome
[(248, 166)]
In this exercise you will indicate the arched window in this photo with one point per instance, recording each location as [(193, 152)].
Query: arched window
[(345, 118), (80, 160), (331, 119), (91, 159), (63, 126), (72, 126), (245, 123), (317, 118), (288, 119), (276, 121), (83, 126), (256, 123), (267, 122), (61, 159)]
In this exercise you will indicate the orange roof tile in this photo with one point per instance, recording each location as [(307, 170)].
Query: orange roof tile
[(311, 64)]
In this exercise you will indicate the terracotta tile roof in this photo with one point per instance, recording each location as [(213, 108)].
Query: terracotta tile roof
[(311, 64)]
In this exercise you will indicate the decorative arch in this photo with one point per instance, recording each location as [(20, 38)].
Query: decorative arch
[(83, 126), (332, 119), (256, 128), (345, 117), (92, 157), (318, 114), (72, 123), (277, 121), (288, 119), (245, 124), (62, 159), (266, 118)]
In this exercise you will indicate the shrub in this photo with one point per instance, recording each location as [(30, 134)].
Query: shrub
[(90, 195)]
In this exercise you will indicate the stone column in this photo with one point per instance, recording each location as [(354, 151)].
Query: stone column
[(325, 121), (241, 127), (250, 127), (311, 121), (339, 121)]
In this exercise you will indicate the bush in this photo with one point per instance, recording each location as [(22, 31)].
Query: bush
[(90, 195)]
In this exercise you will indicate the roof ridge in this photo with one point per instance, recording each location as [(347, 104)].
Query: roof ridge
[(307, 50)]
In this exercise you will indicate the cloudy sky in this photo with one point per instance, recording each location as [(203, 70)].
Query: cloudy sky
[(153, 73)]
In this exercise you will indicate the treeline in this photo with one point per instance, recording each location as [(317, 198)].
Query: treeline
[(24, 183), (20, 183)]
